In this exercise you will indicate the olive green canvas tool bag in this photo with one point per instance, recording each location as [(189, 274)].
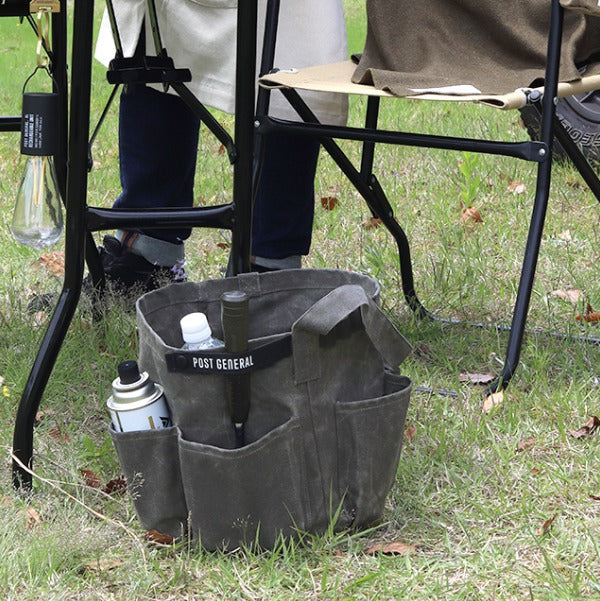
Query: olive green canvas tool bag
[(326, 419)]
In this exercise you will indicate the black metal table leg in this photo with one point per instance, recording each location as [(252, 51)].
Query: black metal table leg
[(81, 220), (245, 84), (75, 233)]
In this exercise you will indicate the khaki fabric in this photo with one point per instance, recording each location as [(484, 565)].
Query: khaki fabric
[(493, 47), (591, 7)]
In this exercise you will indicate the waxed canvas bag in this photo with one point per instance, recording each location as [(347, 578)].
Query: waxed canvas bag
[(326, 419)]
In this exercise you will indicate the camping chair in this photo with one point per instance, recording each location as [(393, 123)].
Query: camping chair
[(339, 78), (82, 220)]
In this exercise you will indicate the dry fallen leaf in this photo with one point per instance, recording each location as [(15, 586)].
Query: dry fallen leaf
[(54, 262), (571, 295), (476, 378), (223, 245), (372, 223), (390, 548), (590, 315), (493, 400), (329, 202), (33, 518), (40, 318), (91, 479), (523, 445), (587, 429), (103, 564), (115, 486), (57, 434), (595, 497), (43, 413), (546, 526), (516, 187), (410, 432), (158, 538), (471, 214)]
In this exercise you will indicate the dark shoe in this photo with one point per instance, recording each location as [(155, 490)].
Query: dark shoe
[(128, 271), (125, 271)]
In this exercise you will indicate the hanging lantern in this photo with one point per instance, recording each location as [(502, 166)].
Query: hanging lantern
[(37, 218)]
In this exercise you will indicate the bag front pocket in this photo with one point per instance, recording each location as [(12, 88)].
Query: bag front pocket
[(249, 495), (150, 462), (369, 442)]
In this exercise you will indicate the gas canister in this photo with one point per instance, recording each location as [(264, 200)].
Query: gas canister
[(137, 403)]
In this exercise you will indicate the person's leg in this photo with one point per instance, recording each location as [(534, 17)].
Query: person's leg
[(158, 143), (158, 139), (284, 205)]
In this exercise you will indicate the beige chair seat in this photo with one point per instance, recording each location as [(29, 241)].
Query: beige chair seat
[(337, 77)]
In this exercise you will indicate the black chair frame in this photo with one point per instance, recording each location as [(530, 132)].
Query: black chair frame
[(367, 184)]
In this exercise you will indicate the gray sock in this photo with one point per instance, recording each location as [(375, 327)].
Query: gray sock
[(157, 252), (291, 262)]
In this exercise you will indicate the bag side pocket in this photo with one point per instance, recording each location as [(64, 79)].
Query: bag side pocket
[(369, 434), (249, 495), (150, 462)]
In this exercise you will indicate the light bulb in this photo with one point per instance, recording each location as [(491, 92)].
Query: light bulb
[(37, 218)]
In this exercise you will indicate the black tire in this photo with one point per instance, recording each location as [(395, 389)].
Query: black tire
[(580, 116)]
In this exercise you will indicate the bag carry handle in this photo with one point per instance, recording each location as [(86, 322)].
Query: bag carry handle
[(328, 312)]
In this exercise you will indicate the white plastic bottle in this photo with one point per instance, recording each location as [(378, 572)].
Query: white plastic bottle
[(197, 335)]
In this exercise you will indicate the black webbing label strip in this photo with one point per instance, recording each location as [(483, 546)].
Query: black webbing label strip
[(219, 361)]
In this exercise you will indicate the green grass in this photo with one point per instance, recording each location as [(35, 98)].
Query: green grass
[(464, 496)]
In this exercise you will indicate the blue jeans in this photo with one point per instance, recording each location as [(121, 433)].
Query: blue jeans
[(158, 145)]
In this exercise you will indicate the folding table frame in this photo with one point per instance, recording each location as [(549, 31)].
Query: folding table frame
[(81, 219), (336, 78)]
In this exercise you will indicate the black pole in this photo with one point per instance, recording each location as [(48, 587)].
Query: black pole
[(61, 86), (74, 243), (263, 97), (268, 53), (244, 134), (528, 151), (540, 204), (368, 152)]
